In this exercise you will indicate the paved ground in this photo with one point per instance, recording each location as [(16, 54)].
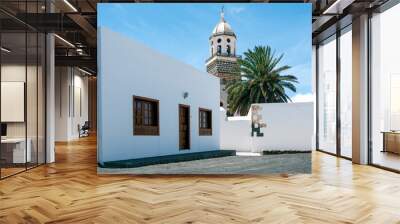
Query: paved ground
[(281, 163)]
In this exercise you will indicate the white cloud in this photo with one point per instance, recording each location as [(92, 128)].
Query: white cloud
[(235, 10), (300, 98)]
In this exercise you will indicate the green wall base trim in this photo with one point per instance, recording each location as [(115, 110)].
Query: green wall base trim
[(284, 152), (132, 163)]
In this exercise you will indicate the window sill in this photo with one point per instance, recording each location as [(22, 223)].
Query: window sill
[(146, 130), (205, 132)]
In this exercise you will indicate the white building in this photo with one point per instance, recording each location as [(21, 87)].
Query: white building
[(150, 104)]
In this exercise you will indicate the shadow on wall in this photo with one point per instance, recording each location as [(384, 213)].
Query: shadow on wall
[(269, 127)]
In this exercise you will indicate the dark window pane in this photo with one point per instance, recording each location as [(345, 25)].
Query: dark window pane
[(146, 117), (205, 122)]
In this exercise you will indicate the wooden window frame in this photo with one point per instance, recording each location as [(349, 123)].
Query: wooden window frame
[(205, 131), (146, 130)]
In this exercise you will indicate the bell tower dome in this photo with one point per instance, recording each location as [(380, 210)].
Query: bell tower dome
[(223, 39)]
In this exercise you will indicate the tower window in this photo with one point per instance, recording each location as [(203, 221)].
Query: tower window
[(228, 49), (219, 49), (228, 40), (219, 40), (212, 43)]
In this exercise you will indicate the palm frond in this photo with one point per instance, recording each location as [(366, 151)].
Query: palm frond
[(259, 80)]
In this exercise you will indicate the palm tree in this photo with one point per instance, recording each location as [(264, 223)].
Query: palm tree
[(259, 81)]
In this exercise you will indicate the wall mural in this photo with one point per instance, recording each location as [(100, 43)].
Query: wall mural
[(256, 121)]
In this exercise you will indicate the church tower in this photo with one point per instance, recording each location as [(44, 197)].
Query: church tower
[(222, 62)]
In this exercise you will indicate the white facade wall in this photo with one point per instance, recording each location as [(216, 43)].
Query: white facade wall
[(289, 127), (235, 132), (128, 68)]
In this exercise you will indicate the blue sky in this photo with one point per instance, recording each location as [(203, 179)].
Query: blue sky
[(182, 30)]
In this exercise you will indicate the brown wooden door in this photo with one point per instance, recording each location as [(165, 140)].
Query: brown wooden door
[(184, 127)]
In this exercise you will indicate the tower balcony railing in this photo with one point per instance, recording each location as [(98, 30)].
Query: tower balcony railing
[(230, 55)]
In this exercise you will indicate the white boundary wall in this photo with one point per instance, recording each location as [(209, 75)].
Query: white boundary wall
[(289, 127)]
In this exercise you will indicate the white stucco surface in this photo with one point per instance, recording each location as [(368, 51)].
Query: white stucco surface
[(127, 68), (235, 132), (289, 127)]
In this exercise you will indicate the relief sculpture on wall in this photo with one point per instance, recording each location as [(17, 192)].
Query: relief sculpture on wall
[(256, 121)]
